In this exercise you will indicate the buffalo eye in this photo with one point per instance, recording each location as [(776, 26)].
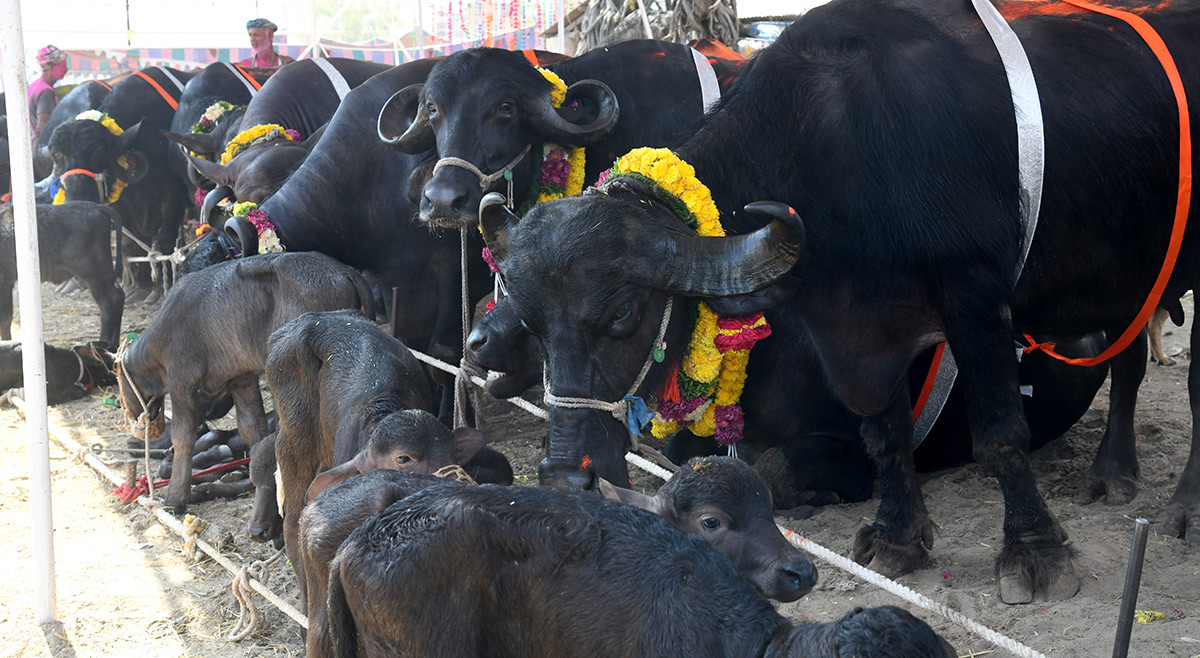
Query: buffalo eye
[(506, 109), (710, 522), (403, 460), (431, 110), (624, 320)]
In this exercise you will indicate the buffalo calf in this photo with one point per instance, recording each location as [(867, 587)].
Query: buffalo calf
[(70, 373), (539, 572), (209, 340), (73, 241)]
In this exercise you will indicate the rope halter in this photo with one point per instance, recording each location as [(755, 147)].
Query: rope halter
[(486, 180), (630, 409), (100, 178)]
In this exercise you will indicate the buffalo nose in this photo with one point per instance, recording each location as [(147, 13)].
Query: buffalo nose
[(801, 576), (258, 533), (476, 341), (444, 199), (565, 475)]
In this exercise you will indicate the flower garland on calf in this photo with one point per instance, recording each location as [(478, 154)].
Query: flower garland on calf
[(702, 394), (118, 185)]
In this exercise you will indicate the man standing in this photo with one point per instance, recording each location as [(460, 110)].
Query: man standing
[(42, 99), (262, 37)]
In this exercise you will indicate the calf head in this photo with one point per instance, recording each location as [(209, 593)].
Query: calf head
[(412, 441), (500, 343), (83, 149), (487, 106), (727, 503), (143, 408), (591, 276), (257, 172)]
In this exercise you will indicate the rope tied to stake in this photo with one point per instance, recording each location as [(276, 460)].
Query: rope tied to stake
[(192, 527)]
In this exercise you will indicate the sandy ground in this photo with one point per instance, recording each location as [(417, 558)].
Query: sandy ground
[(124, 589)]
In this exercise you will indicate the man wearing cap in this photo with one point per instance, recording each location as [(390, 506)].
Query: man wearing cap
[(262, 36), (42, 99)]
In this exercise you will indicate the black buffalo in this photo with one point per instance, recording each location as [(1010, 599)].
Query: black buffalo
[(889, 129), (486, 106), (85, 96), (300, 97), (540, 572), (153, 204)]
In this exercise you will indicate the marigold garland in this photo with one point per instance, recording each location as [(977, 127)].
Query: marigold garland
[(118, 185), (703, 394), (268, 238), (558, 91), (212, 116), (263, 132)]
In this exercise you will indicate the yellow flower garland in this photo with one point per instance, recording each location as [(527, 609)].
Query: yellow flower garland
[(248, 137), (704, 362), (118, 186), (558, 93)]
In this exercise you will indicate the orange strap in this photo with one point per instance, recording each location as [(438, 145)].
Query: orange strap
[(103, 84), (157, 87), (72, 172), (929, 380), (247, 76), (1182, 204), (531, 56)]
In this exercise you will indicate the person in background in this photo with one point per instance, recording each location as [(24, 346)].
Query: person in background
[(42, 99), (262, 37)]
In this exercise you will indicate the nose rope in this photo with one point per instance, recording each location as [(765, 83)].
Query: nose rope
[(620, 408), (101, 181), (485, 180)]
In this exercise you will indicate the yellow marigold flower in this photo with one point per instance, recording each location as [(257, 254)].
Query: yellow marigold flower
[(558, 93), (575, 178), (663, 428), (703, 362), (707, 425)]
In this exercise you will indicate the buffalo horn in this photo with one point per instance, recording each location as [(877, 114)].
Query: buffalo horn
[(211, 200), (558, 129), (735, 265), (497, 221), (243, 231), (403, 124)]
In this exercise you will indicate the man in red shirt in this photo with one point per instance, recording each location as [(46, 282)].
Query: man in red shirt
[(42, 99), (262, 36)]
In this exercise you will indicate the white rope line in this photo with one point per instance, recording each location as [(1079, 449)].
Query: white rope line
[(481, 383), (485, 180), (174, 524)]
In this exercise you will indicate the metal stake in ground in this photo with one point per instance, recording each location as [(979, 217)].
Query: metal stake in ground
[(1133, 580)]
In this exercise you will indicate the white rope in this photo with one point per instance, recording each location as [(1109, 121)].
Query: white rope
[(340, 86), (485, 180), (481, 383), (460, 375)]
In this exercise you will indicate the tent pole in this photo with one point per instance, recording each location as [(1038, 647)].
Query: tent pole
[(33, 357), (562, 26)]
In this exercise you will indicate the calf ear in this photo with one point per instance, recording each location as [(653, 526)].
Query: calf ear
[(635, 498), (329, 478), (467, 442)]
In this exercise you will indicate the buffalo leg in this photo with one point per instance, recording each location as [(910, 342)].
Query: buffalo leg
[(184, 422), (899, 539), (1113, 473), (6, 309), (251, 418), (111, 301), (1035, 560), (1181, 517)]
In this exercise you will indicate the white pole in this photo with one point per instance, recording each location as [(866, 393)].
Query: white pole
[(562, 26), (29, 276), (420, 32)]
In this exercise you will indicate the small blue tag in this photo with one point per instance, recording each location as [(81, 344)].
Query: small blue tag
[(638, 414)]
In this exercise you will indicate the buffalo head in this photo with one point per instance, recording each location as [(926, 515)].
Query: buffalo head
[(591, 275), (485, 108), (84, 145)]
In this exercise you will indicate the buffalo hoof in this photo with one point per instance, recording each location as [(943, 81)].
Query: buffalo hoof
[(1181, 518), (1029, 574), (135, 295), (893, 555), (1111, 488)]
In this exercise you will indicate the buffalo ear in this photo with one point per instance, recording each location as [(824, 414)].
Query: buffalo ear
[(195, 142), (739, 305), (331, 477), (467, 442), (654, 504)]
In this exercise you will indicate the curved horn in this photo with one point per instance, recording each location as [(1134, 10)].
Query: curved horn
[(243, 231), (402, 125), (546, 117), (138, 166), (198, 179), (735, 265), (210, 204), (496, 221)]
